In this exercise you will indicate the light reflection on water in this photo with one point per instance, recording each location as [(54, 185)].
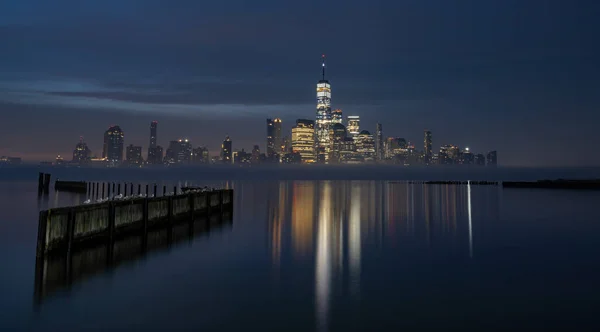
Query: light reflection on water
[(337, 256)]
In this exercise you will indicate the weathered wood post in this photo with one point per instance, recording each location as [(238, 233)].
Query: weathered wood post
[(131, 189), (70, 230), (125, 189), (41, 183), (164, 191), (145, 225), (146, 190), (46, 183), (174, 190), (97, 189), (119, 189), (139, 189), (111, 231), (41, 241), (103, 190), (155, 190)]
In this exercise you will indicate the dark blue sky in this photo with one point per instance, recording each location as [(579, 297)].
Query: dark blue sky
[(517, 76)]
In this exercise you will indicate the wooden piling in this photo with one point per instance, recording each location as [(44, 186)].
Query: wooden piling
[(47, 183), (139, 189), (155, 190), (41, 183), (119, 189), (97, 189), (125, 189), (103, 190), (131, 189), (164, 190)]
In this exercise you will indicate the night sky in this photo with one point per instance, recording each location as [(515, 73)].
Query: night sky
[(517, 76)]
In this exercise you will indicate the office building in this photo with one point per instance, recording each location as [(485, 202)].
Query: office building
[(113, 145), (303, 140), (274, 139), (353, 125), (427, 148), (365, 145), (338, 135), (226, 152), (133, 155), (242, 158), (467, 157), (200, 156), (395, 147), (492, 159), (256, 155), (323, 121), (155, 152), (449, 155), (286, 145), (379, 142), (479, 159), (81, 154), (336, 116), (179, 152)]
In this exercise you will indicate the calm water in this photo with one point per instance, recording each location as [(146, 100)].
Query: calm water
[(332, 255)]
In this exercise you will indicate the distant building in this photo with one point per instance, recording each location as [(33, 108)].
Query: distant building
[(395, 147), (379, 143), (133, 155), (479, 159), (82, 154), (155, 152), (353, 125), (323, 117), (242, 158), (303, 140), (427, 145), (348, 154), (286, 145), (292, 158), (338, 135), (274, 140), (5, 160), (467, 157), (179, 152), (336, 116), (365, 145), (226, 152), (113, 145), (255, 155), (449, 155), (492, 159), (200, 156)]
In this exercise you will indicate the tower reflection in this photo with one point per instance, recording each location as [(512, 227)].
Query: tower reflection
[(330, 219)]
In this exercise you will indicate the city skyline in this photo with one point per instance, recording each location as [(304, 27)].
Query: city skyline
[(509, 76)]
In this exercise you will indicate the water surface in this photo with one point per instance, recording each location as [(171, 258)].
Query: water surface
[(332, 255)]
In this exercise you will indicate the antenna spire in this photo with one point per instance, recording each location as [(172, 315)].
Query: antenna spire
[(323, 57)]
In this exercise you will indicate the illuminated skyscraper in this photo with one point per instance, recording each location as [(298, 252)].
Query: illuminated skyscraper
[(336, 116), (303, 140), (274, 141), (379, 143), (427, 147), (323, 116), (113, 144), (179, 152), (338, 136), (365, 145), (353, 126), (81, 154), (155, 152), (226, 152), (133, 155)]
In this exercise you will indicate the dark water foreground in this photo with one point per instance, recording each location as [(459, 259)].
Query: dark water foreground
[(324, 255)]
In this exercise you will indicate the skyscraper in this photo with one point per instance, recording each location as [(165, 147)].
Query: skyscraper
[(365, 145), (303, 140), (353, 126), (427, 151), (492, 158), (338, 136), (155, 152), (274, 141), (379, 142), (226, 152), (113, 144), (81, 154), (323, 116), (133, 155), (200, 155), (179, 152), (336, 116)]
